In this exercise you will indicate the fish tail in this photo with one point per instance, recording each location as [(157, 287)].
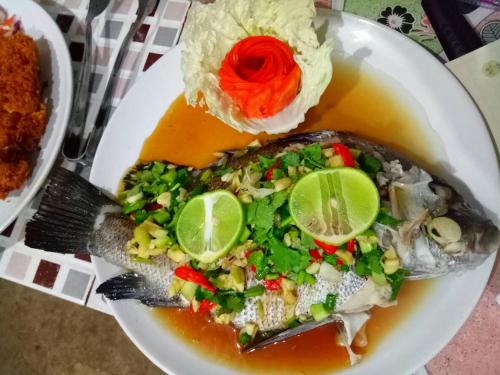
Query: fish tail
[(67, 216)]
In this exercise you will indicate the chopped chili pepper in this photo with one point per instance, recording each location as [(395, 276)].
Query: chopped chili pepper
[(315, 254), (189, 274), (329, 249), (247, 254), (339, 261), (153, 206), (345, 154), (205, 306), (270, 171), (269, 174), (351, 245), (273, 285)]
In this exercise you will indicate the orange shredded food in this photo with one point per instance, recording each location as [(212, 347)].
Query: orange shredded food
[(22, 114)]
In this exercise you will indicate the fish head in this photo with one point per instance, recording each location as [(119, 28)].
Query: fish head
[(439, 231)]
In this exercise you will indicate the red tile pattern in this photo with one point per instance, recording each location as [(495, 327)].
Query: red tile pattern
[(46, 274)]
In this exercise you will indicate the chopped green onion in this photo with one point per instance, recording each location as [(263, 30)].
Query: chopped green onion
[(161, 217), (301, 277), (195, 264), (245, 234), (330, 301), (140, 216), (206, 175), (130, 207), (309, 279), (255, 291), (286, 222), (245, 338), (272, 276), (293, 323), (139, 259), (169, 177)]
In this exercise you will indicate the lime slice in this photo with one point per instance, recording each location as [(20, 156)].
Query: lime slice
[(209, 225), (334, 205)]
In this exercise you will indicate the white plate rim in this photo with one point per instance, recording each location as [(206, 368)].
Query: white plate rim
[(486, 267)]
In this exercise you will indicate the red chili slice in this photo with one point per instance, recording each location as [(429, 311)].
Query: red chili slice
[(351, 245), (273, 285), (153, 206), (270, 171), (315, 254), (205, 306), (345, 154), (329, 249), (189, 274)]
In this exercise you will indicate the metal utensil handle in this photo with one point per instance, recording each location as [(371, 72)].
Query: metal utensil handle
[(73, 145), (106, 105)]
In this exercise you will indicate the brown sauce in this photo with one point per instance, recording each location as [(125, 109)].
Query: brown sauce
[(354, 101), (311, 353)]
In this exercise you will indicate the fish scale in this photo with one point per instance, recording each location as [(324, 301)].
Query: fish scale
[(311, 294)]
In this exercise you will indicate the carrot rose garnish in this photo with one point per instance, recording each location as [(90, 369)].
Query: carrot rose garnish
[(257, 65), (260, 75)]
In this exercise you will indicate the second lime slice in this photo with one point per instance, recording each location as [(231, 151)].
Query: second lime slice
[(335, 205), (209, 225)]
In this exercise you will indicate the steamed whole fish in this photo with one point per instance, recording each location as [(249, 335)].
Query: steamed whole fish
[(276, 282)]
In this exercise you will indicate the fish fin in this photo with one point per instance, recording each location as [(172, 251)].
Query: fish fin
[(131, 285), (273, 338), (65, 219), (352, 323), (125, 286)]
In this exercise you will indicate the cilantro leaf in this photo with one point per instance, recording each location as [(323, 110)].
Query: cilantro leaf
[(263, 213), (285, 259), (369, 164), (396, 279), (202, 293), (260, 236), (277, 199), (313, 157), (307, 242), (385, 218), (222, 171), (290, 159), (230, 301), (266, 162), (369, 263), (374, 261)]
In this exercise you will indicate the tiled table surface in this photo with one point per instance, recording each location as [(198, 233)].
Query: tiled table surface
[(73, 278)]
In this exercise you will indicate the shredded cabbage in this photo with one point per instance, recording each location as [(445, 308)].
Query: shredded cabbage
[(211, 30)]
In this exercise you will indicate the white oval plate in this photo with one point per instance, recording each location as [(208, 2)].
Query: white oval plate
[(55, 69), (451, 114)]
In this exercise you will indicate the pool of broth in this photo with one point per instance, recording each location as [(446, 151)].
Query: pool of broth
[(355, 101)]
